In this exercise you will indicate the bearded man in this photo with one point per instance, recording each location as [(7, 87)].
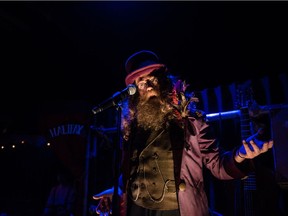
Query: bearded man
[(166, 143)]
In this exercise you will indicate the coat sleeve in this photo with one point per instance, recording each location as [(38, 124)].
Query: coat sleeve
[(221, 163)]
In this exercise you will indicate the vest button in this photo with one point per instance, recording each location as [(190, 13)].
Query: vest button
[(155, 155), (182, 186)]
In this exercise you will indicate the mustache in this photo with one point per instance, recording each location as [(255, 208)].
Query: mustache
[(151, 95)]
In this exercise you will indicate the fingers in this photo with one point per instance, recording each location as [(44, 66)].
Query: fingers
[(264, 147), (246, 147), (105, 193), (95, 197), (254, 148), (270, 144), (105, 197), (104, 206)]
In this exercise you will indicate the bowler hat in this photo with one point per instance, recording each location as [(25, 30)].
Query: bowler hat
[(140, 64)]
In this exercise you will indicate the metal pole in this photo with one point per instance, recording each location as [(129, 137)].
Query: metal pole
[(86, 173)]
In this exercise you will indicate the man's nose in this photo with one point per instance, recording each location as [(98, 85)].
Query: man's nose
[(149, 88)]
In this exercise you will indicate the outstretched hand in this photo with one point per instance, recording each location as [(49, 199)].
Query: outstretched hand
[(252, 147)]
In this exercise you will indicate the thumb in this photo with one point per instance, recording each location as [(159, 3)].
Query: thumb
[(105, 193)]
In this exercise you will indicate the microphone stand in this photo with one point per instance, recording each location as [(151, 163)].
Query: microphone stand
[(115, 198)]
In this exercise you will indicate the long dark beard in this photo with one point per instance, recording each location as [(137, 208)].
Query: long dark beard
[(151, 114)]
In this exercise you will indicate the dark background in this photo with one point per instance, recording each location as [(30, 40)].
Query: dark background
[(67, 50), (76, 50), (63, 58)]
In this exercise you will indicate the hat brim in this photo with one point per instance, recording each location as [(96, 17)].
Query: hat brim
[(142, 72)]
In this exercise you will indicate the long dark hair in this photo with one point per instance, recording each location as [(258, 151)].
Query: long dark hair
[(166, 83)]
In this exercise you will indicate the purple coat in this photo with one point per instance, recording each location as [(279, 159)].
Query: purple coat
[(201, 149), (193, 148)]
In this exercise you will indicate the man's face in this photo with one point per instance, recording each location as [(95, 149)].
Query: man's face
[(150, 111), (147, 86)]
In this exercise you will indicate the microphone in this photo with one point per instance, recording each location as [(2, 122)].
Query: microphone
[(115, 99)]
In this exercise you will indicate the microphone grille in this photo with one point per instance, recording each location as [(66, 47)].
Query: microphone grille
[(131, 89)]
